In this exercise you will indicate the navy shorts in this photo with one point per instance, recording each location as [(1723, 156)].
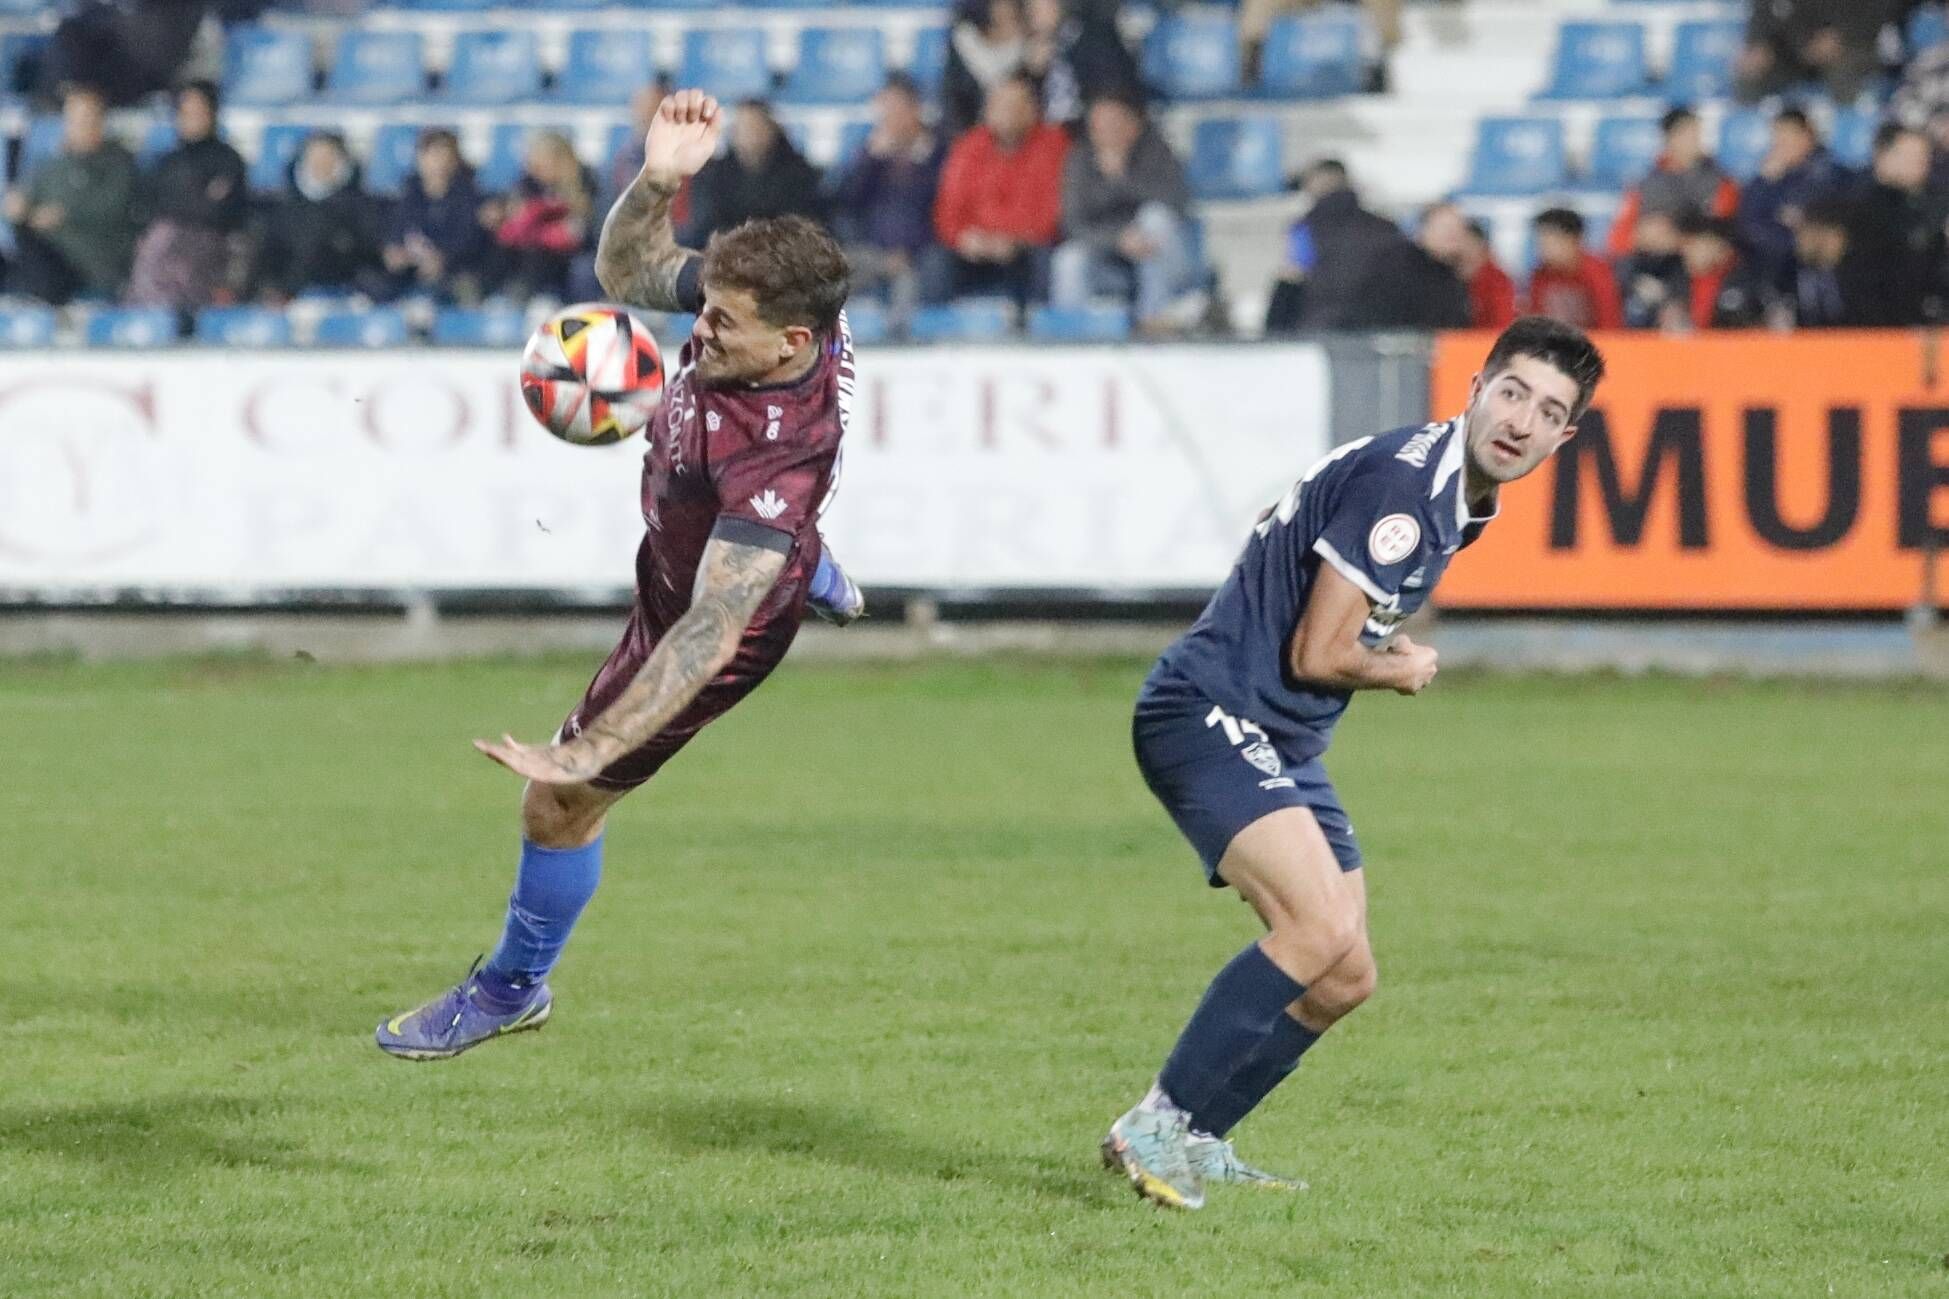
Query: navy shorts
[(1216, 773)]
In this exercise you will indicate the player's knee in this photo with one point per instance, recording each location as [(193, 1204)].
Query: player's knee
[(553, 817), (1316, 941)]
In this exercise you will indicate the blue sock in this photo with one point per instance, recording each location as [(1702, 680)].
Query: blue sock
[(550, 889), (828, 580), (1277, 1058), (1241, 1009)]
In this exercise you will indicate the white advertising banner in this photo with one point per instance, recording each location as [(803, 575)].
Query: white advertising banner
[(241, 475)]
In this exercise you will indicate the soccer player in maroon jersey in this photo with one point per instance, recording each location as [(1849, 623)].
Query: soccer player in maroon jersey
[(742, 457)]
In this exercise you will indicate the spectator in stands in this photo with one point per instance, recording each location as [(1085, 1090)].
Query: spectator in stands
[(1328, 253), (1492, 292), (1829, 291), (74, 227), (1078, 59), (1722, 291), (1570, 282), (323, 233), (629, 159), (1000, 204), (1896, 239), (987, 44), (435, 243), (1831, 41), (1126, 214), (543, 223), (1684, 179), (1652, 279), (1797, 168), (199, 202), (1922, 98), (763, 174), (1416, 285), (884, 201), (1255, 19)]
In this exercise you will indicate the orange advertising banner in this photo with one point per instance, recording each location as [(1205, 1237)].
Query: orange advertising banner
[(1725, 471)]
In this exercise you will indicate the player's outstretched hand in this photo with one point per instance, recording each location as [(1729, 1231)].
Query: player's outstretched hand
[(684, 135), (550, 764), (1420, 664)]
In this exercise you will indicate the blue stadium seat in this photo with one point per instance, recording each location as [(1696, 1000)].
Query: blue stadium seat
[(382, 327), (132, 327), (485, 327), (1703, 51), (1624, 151), (447, 6), (1517, 156), (729, 62), (1233, 158), (42, 142), (26, 327), (1095, 324), (493, 67), (620, 137), (390, 160), (1744, 138), (377, 67), (157, 139), (1598, 60), (976, 320), (243, 327), (852, 138), (836, 65), (17, 49), (1852, 137), (1927, 26), (265, 69), (604, 66), (867, 321), (507, 152), (277, 149), (787, 4), (1312, 56), (1193, 57), (929, 61)]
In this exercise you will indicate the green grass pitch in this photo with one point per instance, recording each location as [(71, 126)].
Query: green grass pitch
[(1664, 982)]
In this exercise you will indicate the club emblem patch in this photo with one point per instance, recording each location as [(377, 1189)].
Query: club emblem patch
[(1393, 539), (1263, 756)]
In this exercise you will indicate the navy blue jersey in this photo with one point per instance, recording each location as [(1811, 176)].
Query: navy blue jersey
[(1387, 512)]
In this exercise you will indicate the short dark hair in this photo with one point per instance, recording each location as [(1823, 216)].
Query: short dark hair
[(793, 269), (1796, 117), (1676, 117), (902, 82), (1121, 94), (206, 88), (1831, 211), (1692, 223), (1888, 132), (1327, 167), (1480, 229), (1563, 347), (433, 135), (1563, 220)]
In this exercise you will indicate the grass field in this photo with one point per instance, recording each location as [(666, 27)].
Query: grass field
[(1663, 1007)]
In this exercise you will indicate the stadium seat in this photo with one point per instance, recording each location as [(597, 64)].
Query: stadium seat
[(390, 160), (243, 327), (1703, 51), (620, 137), (17, 50), (1598, 60), (604, 66), (1852, 137), (383, 327), (1233, 158), (867, 321), (377, 67), (131, 327), (787, 4), (41, 142), (1927, 26), (977, 320), (836, 65), (729, 62), (277, 149), (469, 327), (673, 331), (26, 327), (266, 69), (157, 138), (929, 61), (1517, 156), (446, 6), (493, 67), (1744, 138), (852, 138), (1095, 324), (507, 152), (1193, 57), (1312, 57), (1624, 151)]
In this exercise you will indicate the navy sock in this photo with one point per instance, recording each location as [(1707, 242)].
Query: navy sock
[(1277, 1057), (550, 889), (1242, 1007)]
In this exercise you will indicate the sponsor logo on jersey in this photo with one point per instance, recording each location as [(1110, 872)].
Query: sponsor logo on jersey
[(1393, 539), (1278, 782), (769, 504), (1264, 757)]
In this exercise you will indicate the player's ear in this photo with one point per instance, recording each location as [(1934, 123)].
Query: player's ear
[(797, 338), (1475, 389)]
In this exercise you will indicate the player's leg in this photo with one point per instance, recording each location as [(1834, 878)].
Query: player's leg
[(833, 595)]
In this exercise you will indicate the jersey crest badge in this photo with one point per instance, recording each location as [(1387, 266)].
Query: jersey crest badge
[(713, 421), (1263, 756), (1393, 539)]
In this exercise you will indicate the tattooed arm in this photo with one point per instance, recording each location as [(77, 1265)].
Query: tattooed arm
[(638, 261), (732, 581)]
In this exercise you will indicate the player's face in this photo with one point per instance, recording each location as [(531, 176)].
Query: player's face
[(735, 344), (1518, 417)]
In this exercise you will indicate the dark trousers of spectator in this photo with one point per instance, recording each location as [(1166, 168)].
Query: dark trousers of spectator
[(945, 276), (1282, 312), (1844, 79), (41, 271), (528, 272)]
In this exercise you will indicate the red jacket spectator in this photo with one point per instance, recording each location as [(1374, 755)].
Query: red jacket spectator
[(1585, 296), (1015, 192), (1684, 180), (1492, 297)]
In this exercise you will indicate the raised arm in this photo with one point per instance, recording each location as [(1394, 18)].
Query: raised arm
[(739, 568), (638, 260), (1326, 648)]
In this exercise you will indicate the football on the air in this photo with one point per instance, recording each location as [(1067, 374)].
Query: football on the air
[(592, 374)]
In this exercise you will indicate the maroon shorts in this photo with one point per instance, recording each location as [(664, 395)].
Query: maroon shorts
[(760, 652)]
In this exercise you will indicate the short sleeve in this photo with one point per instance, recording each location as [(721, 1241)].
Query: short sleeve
[(1378, 532), (774, 484), (690, 284)]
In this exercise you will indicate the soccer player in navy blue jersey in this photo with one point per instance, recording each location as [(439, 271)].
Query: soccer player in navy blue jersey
[(1233, 721)]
